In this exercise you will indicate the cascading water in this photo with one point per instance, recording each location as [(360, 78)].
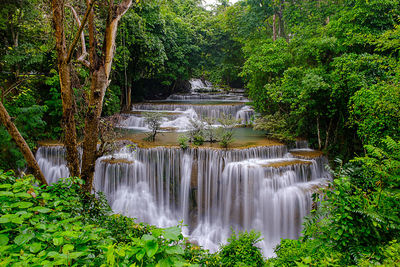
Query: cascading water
[(211, 190), (266, 188), (199, 85), (51, 160), (178, 110)]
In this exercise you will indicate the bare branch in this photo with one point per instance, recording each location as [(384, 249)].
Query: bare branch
[(83, 43), (80, 30)]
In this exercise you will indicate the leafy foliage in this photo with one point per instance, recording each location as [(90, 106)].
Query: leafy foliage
[(60, 225), (241, 250)]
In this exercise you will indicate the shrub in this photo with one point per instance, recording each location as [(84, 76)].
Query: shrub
[(153, 121), (183, 141), (198, 140), (241, 250), (58, 225)]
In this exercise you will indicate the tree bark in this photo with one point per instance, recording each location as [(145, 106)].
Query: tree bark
[(274, 27), (100, 69), (22, 145), (319, 134), (67, 93), (328, 133)]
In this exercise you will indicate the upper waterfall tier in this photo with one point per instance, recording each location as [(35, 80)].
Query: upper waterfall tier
[(198, 85), (178, 111)]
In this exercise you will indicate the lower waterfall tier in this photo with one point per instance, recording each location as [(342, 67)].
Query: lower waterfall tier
[(211, 190)]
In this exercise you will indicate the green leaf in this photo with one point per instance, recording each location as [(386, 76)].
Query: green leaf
[(5, 186), (172, 233), (53, 254), (174, 250), (4, 219), (35, 247), (23, 238), (148, 237), (3, 240), (67, 248), (140, 254), (41, 209), (46, 196), (16, 219), (165, 262), (75, 255), (24, 205), (6, 194), (23, 195), (151, 247), (58, 241)]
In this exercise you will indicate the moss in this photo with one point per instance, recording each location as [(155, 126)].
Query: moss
[(117, 161), (307, 154), (280, 164)]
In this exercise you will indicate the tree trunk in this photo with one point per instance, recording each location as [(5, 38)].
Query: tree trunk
[(327, 134), (99, 84), (22, 145), (274, 27), (100, 69), (319, 134), (67, 93)]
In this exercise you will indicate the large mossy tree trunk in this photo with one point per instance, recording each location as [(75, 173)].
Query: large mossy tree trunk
[(22, 145), (100, 69), (99, 65)]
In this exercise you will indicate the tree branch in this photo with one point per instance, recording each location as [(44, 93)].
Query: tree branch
[(80, 30), (22, 145), (111, 31), (83, 43)]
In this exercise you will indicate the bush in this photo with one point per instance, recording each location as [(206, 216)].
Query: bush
[(198, 140), (183, 141), (153, 120), (241, 250), (58, 225)]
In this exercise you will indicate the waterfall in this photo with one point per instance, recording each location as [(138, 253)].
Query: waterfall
[(214, 111), (212, 190), (199, 85), (245, 114), (51, 160)]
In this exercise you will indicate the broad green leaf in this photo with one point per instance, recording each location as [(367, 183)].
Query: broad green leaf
[(167, 262), (6, 194), (4, 219), (148, 237), (6, 186), (3, 240), (46, 196), (172, 233), (151, 247), (23, 195), (67, 248), (23, 238), (16, 219), (41, 209), (24, 205), (75, 255), (53, 254), (35, 247), (174, 250), (157, 232), (58, 241), (140, 254)]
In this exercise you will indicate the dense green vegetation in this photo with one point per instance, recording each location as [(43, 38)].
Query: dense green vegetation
[(327, 71)]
